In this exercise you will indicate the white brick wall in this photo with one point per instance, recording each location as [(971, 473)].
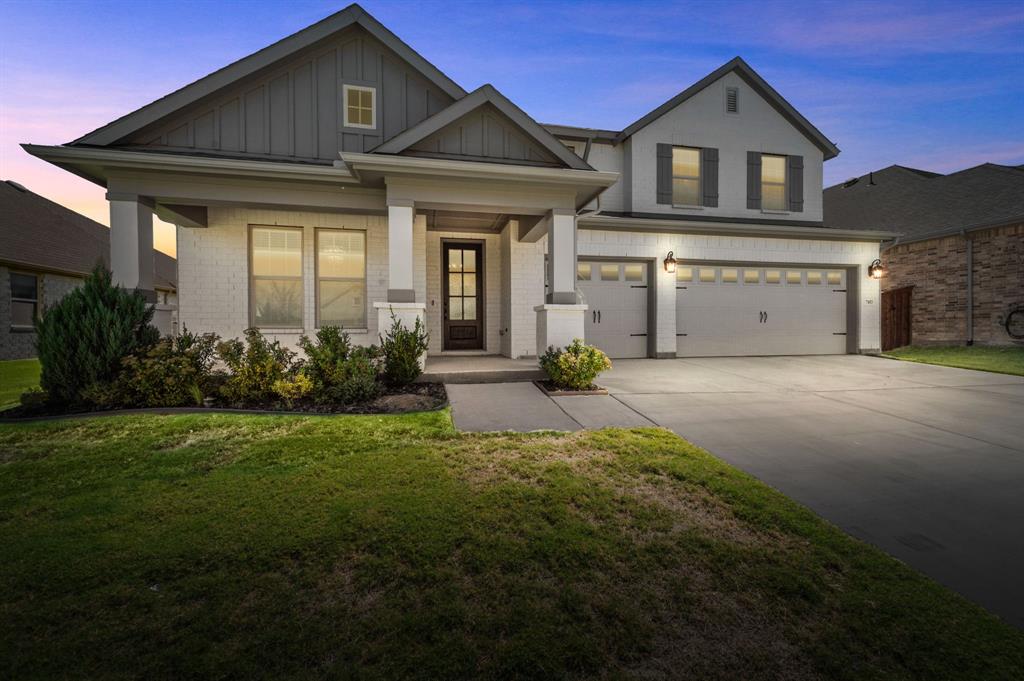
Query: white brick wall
[(527, 291)]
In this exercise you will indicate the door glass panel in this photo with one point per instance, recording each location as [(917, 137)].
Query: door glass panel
[(469, 309), (469, 261), (455, 284), (609, 272), (455, 308), (634, 272), (684, 274), (792, 277), (813, 278), (772, 276), (751, 276), (454, 260), (469, 284), (583, 271), (707, 274), (730, 276), (835, 278)]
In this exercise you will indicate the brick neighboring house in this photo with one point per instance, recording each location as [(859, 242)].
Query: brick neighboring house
[(45, 251), (956, 274)]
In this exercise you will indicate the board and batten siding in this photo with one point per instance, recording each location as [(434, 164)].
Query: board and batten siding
[(484, 134), (294, 110)]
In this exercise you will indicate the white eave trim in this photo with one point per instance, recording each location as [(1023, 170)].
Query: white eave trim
[(141, 160), (734, 228), (409, 165)]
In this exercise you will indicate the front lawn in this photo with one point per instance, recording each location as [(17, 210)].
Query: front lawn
[(1003, 360), (226, 546), (17, 376)]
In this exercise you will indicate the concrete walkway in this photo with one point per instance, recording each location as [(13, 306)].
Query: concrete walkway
[(925, 462)]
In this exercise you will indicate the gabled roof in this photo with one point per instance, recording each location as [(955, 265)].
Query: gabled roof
[(921, 204), (351, 15), (36, 233), (759, 85), (485, 94)]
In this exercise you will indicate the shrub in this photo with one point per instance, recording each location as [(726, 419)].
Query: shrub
[(83, 338), (340, 372), (294, 388), (255, 366), (402, 349), (575, 367), (176, 372)]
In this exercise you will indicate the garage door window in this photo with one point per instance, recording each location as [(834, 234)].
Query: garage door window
[(814, 278), (835, 278), (684, 274), (772, 277), (609, 272), (730, 276), (751, 276), (793, 277), (583, 271), (634, 272), (707, 275)]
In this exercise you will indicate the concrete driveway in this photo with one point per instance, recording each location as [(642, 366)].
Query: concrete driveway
[(924, 462)]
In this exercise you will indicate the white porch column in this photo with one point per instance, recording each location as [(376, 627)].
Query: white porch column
[(400, 252), (560, 320), (131, 242)]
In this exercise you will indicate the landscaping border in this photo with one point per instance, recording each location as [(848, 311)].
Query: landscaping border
[(569, 393)]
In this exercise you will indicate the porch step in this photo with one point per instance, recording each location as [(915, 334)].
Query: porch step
[(479, 369)]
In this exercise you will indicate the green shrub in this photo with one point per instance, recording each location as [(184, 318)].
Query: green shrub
[(293, 388), (402, 349), (83, 338), (176, 372), (575, 367), (255, 366), (340, 372)]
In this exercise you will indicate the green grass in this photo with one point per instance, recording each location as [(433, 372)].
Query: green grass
[(226, 546), (1003, 360), (17, 376)]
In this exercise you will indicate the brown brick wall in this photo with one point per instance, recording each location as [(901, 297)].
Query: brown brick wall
[(937, 269)]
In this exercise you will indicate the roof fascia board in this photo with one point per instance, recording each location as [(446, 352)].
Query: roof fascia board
[(189, 94), (45, 269), (954, 231), (483, 94), (735, 229)]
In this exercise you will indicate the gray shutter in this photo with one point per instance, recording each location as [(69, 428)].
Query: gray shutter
[(665, 173), (709, 176), (795, 181), (754, 180)]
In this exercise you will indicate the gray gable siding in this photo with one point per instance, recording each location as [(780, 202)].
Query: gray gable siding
[(484, 134), (294, 109)]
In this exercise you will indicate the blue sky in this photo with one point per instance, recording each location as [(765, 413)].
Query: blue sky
[(937, 85)]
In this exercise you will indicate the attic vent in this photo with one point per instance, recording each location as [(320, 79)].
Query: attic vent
[(732, 100)]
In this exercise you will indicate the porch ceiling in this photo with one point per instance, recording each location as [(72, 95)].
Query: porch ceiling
[(465, 221)]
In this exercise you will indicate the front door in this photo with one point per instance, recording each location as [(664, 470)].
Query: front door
[(462, 267)]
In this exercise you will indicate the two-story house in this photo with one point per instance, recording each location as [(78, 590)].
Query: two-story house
[(338, 177)]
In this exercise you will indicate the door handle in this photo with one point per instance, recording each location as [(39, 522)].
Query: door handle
[(598, 316), (593, 316), (765, 317)]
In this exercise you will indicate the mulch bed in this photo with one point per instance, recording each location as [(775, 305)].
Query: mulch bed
[(552, 390), (414, 397)]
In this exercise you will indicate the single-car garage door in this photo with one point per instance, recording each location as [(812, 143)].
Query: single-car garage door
[(616, 293), (735, 310)]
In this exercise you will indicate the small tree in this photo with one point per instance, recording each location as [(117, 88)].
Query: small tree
[(402, 349), (83, 338)]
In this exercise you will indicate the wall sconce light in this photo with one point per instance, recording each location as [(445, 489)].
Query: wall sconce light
[(670, 263), (875, 269)]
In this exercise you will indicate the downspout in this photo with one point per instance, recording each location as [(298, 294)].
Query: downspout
[(970, 287)]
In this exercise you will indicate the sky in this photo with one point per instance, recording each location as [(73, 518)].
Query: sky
[(937, 85)]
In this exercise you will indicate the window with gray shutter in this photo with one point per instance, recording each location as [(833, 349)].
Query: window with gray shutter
[(795, 178), (754, 180), (709, 174), (664, 180)]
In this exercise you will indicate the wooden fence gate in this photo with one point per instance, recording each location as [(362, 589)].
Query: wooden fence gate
[(896, 318)]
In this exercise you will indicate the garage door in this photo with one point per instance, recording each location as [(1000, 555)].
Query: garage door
[(616, 293), (730, 310)]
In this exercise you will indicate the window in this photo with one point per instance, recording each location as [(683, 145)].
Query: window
[(341, 278), (793, 277), (813, 278), (609, 272), (751, 276), (732, 100), (360, 107), (773, 182), (835, 278), (684, 274), (707, 275), (276, 286), (685, 176), (583, 271), (772, 277), (730, 276), (24, 299), (634, 272)]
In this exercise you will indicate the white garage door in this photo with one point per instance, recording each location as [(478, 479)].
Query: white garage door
[(616, 293), (734, 310)]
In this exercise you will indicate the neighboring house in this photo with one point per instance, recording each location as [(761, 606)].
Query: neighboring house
[(338, 177), (956, 273), (45, 251)]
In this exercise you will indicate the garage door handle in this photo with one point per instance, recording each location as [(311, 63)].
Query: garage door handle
[(598, 316), (593, 316), (637, 334)]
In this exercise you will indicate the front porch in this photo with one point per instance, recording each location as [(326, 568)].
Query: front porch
[(447, 368)]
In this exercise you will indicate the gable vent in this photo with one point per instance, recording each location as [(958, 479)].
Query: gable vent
[(732, 100)]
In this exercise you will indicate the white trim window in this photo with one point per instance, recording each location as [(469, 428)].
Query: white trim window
[(341, 278), (773, 183), (685, 176), (360, 106), (275, 286), (24, 300)]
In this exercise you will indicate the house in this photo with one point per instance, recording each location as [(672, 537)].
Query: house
[(338, 177), (955, 276), (45, 252)]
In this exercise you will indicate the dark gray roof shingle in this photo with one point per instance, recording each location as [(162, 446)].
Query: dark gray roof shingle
[(36, 232)]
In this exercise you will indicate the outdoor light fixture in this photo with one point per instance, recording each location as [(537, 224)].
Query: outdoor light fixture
[(875, 269), (670, 263)]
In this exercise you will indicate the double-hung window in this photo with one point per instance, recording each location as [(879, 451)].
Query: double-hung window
[(360, 107), (341, 278), (24, 300), (773, 182), (685, 176), (276, 277)]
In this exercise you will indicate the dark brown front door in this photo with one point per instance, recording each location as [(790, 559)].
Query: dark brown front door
[(462, 265), (896, 318)]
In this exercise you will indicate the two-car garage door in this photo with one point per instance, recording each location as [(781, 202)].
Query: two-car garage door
[(721, 310)]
